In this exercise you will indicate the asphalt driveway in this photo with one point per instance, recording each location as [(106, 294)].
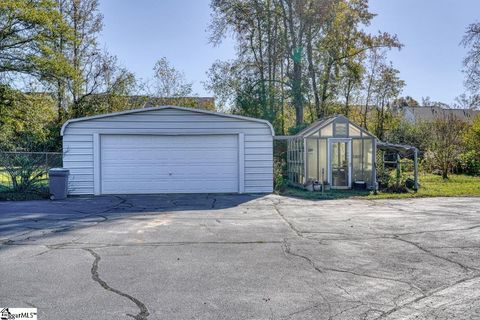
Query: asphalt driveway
[(241, 257)]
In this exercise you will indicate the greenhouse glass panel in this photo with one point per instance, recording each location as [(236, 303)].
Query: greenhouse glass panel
[(322, 159), (353, 131), (341, 129), (312, 157), (367, 160), (327, 131), (357, 160)]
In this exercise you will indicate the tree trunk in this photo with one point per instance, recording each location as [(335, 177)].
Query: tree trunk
[(297, 92), (313, 76), (445, 174), (325, 83)]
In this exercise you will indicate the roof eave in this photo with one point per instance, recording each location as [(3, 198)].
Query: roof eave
[(64, 126)]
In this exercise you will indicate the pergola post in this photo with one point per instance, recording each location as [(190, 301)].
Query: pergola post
[(399, 170), (415, 169)]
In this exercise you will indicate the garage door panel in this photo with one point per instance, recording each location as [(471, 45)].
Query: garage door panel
[(167, 157), (169, 164), (143, 174), (194, 187)]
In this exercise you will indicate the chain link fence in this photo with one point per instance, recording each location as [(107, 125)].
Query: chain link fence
[(24, 168)]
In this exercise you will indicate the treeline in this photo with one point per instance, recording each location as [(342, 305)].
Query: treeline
[(52, 68), (296, 61), (301, 60)]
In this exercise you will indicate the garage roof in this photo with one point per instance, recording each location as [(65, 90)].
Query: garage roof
[(162, 108)]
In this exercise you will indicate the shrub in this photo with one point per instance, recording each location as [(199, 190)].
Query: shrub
[(280, 181), (26, 172), (280, 174), (469, 163)]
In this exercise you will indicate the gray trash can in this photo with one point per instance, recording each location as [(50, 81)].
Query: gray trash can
[(58, 183)]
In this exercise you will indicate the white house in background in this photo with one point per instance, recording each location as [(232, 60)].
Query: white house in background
[(168, 150), (418, 114)]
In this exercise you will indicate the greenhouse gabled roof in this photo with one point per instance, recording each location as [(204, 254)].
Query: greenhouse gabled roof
[(318, 125)]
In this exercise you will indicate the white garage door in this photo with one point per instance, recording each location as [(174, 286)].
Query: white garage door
[(168, 164)]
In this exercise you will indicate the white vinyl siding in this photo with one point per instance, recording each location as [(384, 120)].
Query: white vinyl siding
[(78, 142)]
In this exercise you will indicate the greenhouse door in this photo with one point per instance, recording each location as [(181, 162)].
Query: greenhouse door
[(340, 160)]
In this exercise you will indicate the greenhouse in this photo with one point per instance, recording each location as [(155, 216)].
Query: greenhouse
[(334, 153)]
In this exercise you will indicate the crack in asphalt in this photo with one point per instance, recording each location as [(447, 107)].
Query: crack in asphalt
[(397, 233), (365, 315), (411, 285), (465, 267), (287, 249), (439, 230), (306, 309), (412, 293), (78, 245), (427, 295), (396, 236), (289, 224), (143, 314)]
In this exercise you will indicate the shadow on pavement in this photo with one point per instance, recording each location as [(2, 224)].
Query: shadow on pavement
[(31, 220)]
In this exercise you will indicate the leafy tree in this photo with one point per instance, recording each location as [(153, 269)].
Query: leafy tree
[(387, 87), (370, 78), (414, 134), (405, 102), (27, 30), (446, 143), (26, 120), (169, 82), (471, 139), (224, 80), (344, 41), (95, 71), (292, 54)]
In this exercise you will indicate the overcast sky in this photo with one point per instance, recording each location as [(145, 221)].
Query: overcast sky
[(141, 32)]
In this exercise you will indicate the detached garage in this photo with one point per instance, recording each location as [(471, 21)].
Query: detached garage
[(168, 150)]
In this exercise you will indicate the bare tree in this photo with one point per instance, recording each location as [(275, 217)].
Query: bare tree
[(375, 58), (169, 82), (471, 63), (387, 87)]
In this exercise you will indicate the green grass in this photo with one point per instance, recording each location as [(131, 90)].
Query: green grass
[(4, 178), (6, 193), (430, 186)]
